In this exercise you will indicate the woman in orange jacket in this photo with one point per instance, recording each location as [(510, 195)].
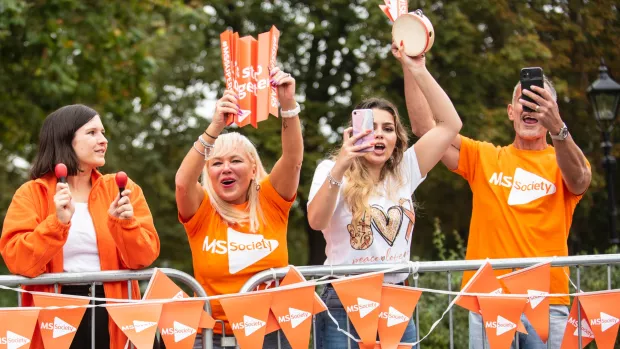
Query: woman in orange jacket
[(83, 225)]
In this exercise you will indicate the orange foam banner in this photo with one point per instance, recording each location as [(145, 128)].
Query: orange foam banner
[(534, 281), (501, 316), (59, 326), (247, 316), (603, 313), (137, 321), (17, 327), (397, 306), (293, 311), (571, 333), (361, 297), (395, 8), (247, 63)]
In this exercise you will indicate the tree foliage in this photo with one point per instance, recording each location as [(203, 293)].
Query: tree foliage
[(147, 66)]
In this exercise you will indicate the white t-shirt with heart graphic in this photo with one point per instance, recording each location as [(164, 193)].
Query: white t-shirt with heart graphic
[(385, 234)]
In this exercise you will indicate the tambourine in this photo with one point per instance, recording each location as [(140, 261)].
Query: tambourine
[(415, 30)]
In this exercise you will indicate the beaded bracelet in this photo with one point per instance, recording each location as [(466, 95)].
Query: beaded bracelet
[(332, 180)]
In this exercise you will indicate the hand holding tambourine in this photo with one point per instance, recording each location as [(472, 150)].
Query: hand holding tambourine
[(413, 29), (416, 32), (413, 63)]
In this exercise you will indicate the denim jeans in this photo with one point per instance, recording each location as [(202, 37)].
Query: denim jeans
[(327, 335), (271, 341), (558, 316)]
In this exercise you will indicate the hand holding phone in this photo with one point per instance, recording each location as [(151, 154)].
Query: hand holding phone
[(362, 121), (530, 77)]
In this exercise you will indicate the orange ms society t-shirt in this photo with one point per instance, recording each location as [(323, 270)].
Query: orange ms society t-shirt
[(521, 206), (226, 255)]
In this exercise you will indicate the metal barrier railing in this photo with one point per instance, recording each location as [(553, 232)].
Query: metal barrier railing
[(111, 276), (442, 266)]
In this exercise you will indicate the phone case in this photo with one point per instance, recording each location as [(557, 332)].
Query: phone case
[(362, 121), (531, 77)]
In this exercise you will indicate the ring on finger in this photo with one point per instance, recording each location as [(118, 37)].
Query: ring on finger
[(537, 108)]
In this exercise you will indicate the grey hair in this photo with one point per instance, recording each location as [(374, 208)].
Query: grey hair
[(548, 85)]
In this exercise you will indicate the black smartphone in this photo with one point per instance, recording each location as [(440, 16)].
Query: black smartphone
[(529, 77)]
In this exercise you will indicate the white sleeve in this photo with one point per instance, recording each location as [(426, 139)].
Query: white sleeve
[(411, 173), (320, 174)]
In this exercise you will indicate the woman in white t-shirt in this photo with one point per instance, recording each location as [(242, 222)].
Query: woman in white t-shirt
[(361, 200)]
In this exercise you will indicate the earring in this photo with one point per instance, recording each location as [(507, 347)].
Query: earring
[(257, 185)]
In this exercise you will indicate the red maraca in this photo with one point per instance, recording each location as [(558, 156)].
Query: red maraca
[(61, 172), (121, 181)]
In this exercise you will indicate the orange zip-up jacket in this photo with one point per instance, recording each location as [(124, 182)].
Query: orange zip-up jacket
[(33, 238)]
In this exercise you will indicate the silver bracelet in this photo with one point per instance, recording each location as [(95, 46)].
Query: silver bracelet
[(199, 152), (332, 180), (291, 113), (204, 143)]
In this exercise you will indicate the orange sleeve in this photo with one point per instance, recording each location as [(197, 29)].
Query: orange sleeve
[(200, 218), (468, 158), (277, 202), (30, 241), (136, 238)]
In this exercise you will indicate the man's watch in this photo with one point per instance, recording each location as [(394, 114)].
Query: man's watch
[(562, 135)]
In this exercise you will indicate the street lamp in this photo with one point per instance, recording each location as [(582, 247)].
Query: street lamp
[(604, 95)]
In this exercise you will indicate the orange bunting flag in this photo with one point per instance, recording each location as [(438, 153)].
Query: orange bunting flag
[(178, 323), (272, 323), (137, 321), (603, 313), (571, 333), (162, 287), (247, 316), (397, 306), (501, 316), (58, 326), (247, 63), (293, 276), (484, 281), (361, 297), (379, 346), (17, 327), (293, 311), (534, 281)]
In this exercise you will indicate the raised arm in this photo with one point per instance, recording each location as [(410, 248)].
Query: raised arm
[(419, 110), (571, 160), (321, 208), (285, 173), (433, 145), (188, 192)]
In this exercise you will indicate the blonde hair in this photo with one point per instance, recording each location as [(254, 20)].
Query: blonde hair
[(224, 145), (360, 185)]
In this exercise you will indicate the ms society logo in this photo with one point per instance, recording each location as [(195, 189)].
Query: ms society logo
[(243, 249), (525, 186)]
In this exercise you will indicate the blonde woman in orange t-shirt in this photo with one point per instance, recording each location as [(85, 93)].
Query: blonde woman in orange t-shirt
[(236, 220)]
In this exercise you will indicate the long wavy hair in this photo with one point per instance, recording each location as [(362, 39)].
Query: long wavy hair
[(224, 145), (360, 185)]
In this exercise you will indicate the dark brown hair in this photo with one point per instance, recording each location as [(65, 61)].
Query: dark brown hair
[(55, 140)]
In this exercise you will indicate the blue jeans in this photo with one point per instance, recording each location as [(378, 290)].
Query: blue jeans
[(271, 341), (558, 316), (327, 335)]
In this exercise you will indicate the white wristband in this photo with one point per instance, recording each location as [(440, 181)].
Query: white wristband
[(291, 113)]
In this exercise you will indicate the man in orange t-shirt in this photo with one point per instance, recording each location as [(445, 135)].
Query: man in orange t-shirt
[(524, 194)]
